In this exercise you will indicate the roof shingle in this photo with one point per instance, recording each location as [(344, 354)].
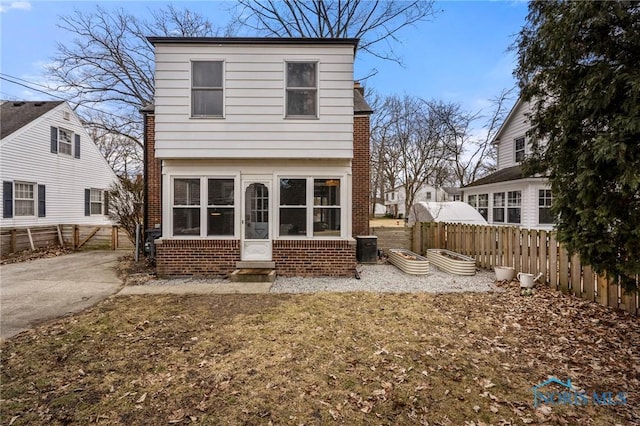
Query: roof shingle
[(17, 114)]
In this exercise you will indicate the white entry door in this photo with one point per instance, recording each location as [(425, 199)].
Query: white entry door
[(256, 229)]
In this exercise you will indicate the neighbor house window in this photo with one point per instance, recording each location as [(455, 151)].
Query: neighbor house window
[(498, 207), (65, 145), (302, 89), (483, 205), (310, 207), (207, 93), (544, 206), (456, 197), (429, 196), (186, 206), (220, 207), (472, 201), (96, 198), (519, 149), (24, 200), (514, 204)]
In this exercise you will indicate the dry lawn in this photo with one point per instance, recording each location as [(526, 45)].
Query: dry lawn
[(322, 359)]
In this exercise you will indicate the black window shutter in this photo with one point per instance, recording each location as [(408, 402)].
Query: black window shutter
[(7, 199), (77, 150), (54, 140), (42, 211), (106, 202), (87, 202)]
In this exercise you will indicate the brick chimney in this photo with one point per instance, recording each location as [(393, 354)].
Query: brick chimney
[(360, 163)]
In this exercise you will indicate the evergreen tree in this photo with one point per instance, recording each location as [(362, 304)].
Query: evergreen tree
[(579, 66)]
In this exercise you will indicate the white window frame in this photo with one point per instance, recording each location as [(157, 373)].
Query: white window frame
[(514, 202), (204, 205), (472, 200), (193, 88), (543, 198), (522, 150), (310, 206), (33, 199), (287, 88), (485, 206), (499, 206), (93, 202), (70, 143)]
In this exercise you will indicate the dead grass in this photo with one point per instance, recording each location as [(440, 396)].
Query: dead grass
[(321, 359), (386, 222)]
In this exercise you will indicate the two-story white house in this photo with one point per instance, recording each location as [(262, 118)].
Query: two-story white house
[(506, 197), (394, 200), (51, 171), (257, 150)]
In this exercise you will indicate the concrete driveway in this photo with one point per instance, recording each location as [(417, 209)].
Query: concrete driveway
[(38, 290)]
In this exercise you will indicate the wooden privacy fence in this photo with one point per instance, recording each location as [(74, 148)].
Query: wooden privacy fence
[(69, 236), (527, 250), (392, 237)]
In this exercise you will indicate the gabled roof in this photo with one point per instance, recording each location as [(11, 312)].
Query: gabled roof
[(16, 114), (504, 124), (503, 175)]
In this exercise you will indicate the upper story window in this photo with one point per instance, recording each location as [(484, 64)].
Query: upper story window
[(302, 89), (207, 93), (65, 142), (65, 145), (519, 149)]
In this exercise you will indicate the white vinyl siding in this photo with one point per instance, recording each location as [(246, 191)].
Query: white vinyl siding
[(25, 156), (515, 128), (255, 124)]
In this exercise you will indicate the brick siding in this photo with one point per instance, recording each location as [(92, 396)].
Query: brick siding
[(153, 214), (309, 258), (360, 175), (205, 258)]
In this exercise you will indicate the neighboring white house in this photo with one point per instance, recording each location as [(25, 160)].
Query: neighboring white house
[(51, 171), (394, 200), (445, 211), (506, 197)]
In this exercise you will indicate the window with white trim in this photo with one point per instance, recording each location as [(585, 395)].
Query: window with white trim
[(514, 204), (65, 144), (310, 207), (483, 205), (96, 199), (204, 206), (207, 92), (24, 199), (472, 201), (428, 195), (498, 207), (302, 89), (519, 149), (220, 206), (544, 207), (186, 206)]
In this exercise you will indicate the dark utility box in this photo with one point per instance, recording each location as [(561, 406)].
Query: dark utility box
[(367, 249)]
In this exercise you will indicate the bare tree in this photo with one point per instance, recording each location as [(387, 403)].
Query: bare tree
[(415, 145), (473, 156), (376, 23), (108, 69), (126, 198)]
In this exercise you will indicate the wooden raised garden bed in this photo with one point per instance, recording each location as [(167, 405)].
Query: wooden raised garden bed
[(409, 262), (452, 262)]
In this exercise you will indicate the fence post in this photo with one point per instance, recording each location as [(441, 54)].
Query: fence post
[(76, 236), (14, 241), (563, 270), (588, 281), (553, 261), (542, 255), (576, 275)]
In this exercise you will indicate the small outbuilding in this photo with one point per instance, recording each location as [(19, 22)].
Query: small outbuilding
[(445, 211)]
